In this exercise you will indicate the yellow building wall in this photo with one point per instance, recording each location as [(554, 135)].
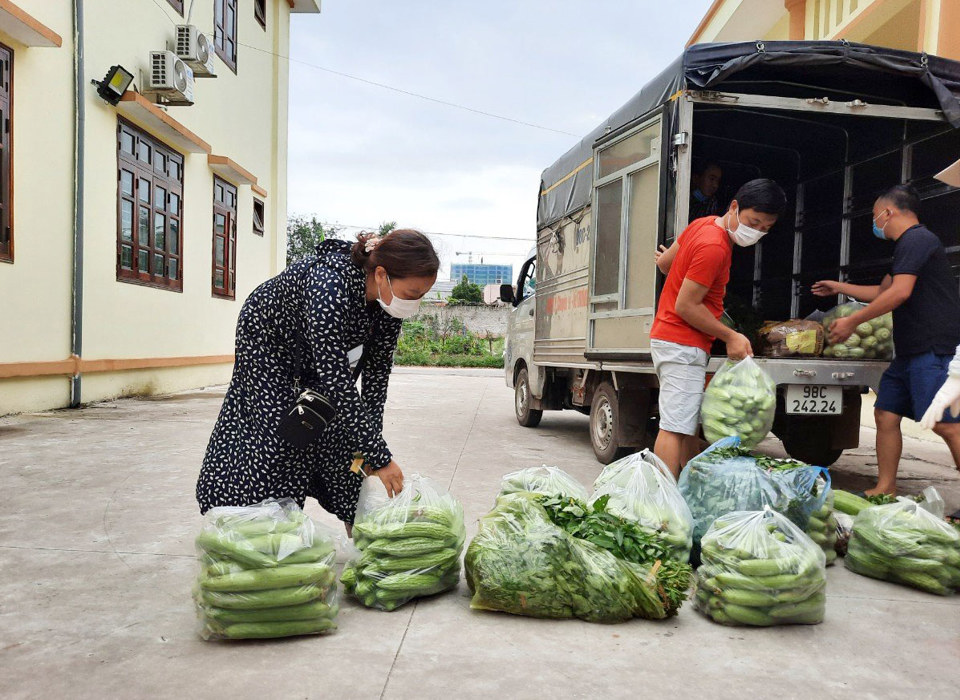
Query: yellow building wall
[(780, 31), (242, 116), (912, 25), (35, 288)]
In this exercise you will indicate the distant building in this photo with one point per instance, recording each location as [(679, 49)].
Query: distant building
[(479, 273)]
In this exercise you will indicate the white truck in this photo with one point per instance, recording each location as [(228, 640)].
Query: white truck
[(834, 123)]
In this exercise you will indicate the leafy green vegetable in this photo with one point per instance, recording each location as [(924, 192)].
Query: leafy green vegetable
[(624, 538), (526, 560), (726, 478)]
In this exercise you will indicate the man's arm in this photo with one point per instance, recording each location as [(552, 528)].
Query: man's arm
[(860, 292), (691, 309), (895, 294), (664, 256)]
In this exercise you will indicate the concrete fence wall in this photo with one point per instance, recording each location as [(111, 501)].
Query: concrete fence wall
[(485, 320)]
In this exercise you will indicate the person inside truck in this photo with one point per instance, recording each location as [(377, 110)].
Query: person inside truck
[(705, 184), (921, 291), (691, 303)]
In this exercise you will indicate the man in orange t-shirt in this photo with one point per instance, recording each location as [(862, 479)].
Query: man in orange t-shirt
[(697, 266)]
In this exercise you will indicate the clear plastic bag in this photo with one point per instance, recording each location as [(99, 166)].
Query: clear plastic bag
[(266, 571), (822, 525), (741, 400), (872, 340), (759, 569), (908, 543), (522, 563), (640, 487), (549, 481), (793, 338), (725, 478), (407, 546)]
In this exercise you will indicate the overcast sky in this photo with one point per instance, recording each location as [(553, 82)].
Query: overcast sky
[(362, 154)]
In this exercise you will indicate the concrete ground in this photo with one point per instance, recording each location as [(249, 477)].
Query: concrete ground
[(97, 562)]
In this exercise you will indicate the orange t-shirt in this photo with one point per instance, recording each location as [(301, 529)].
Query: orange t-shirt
[(704, 256)]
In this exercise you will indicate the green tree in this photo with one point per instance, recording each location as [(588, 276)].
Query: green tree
[(466, 292), (386, 227), (303, 235)]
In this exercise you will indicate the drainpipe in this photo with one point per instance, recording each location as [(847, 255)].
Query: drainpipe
[(76, 312)]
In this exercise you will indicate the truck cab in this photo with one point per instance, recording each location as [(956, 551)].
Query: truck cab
[(834, 124)]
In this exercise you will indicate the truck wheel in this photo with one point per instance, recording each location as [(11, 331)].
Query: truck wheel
[(810, 452), (605, 424), (526, 416)]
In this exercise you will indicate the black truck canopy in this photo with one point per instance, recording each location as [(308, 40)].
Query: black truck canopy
[(842, 71)]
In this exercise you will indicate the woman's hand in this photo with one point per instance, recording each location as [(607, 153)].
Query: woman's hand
[(392, 478)]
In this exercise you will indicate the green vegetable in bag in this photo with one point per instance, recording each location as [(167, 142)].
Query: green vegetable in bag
[(870, 340), (641, 488), (740, 401), (408, 546), (265, 571), (759, 569), (907, 542), (526, 560)]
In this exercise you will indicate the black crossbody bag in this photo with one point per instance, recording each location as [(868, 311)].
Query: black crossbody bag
[(311, 412)]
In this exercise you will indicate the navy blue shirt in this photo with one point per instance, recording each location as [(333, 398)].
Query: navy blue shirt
[(930, 319)]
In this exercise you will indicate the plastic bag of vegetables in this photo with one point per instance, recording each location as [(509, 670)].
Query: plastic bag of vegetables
[(759, 569), (640, 487), (906, 543), (549, 481), (726, 477), (822, 526), (265, 571), (408, 546), (872, 340), (522, 562), (794, 338), (741, 400)]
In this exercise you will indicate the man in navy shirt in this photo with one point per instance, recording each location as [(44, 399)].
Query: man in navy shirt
[(923, 295)]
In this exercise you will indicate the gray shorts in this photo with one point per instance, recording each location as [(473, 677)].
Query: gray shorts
[(682, 372)]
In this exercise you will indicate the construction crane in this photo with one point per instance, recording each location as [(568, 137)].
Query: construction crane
[(469, 255)]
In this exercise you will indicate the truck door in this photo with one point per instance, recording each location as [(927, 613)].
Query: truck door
[(626, 202)]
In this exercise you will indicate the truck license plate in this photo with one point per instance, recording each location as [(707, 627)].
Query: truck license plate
[(816, 400)]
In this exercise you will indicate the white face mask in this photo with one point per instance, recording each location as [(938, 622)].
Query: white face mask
[(398, 308), (744, 235)]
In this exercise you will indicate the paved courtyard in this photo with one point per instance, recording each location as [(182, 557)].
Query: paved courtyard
[(96, 555)]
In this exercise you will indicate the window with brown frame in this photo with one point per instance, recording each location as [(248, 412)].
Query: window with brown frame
[(258, 216), (225, 31), (6, 153), (260, 12), (149, 210), (224, 281), (177, 5)]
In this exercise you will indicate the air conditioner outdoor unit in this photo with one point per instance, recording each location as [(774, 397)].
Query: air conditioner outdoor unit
[(196, 50), (171, 78)]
